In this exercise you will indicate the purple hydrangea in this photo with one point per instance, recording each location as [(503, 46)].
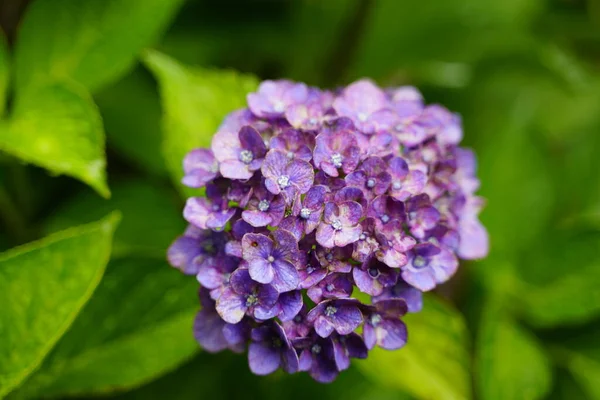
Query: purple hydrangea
[(312, 197)]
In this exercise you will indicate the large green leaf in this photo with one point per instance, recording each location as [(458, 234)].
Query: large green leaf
[(401, 32), (208, 376), (581, 355), (195, 101), (137, 326), (151, 217), (562, 280), (58, 127), (434, 364), (131, 112), (4, 71), (43, 286), (510, 361), (92, 41)]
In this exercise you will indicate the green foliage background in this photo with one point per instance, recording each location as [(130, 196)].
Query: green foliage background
[(100, 100)]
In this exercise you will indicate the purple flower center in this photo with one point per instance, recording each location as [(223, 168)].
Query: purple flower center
[(336, 160), (279, 106), (251, 300), (283, 181), (330, 310), (375, 319), (316, 349), (385, 218), (397, 185), (305, 213), (290, 155), (373, 272), (362, 117), (330, 287), (271, 259), (362, 236), (336, 224), (215, 207), (371, 183), (419, 261), (263, 205), (298, 318), (246, 156)]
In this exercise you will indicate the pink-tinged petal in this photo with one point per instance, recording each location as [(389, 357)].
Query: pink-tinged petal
[(444, 265), (225, 145), (261, 270), (257, 245), (208, 331), (210, 277), (392, 258), (422, 279), (350, 213), (181, 253), (342, 360), (263, 359), (391, 334), (347, 235), (250, 139), (235, 169), (231, 306), (290, 304), (286, 277), (323, 327), (197, 211), (325, 235), (346, 319), (356, 178), (289, 359), (218, 220), (305, 360), (256, 218), (265, 313), (474, 239), (287, 245), (366, 283), (272, 186), (241, 282), (297, 115), (301, 174), (369, 336)]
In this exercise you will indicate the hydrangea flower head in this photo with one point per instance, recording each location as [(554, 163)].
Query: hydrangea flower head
[(313, 196)]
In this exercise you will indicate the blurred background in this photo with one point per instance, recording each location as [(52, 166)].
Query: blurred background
[(522, 324)]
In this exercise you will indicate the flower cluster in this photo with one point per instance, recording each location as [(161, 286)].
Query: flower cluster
[(325, 217)]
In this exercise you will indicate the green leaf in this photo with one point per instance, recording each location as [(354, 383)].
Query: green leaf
[(58, 127), (4, 71), (137, 326), (210, 375), (92, 42), (511, 363), (434, 364), (581, 355), (455, 30), (43, 286), (131, 112), (561, 281), (195, 101), (151, 217), (514, 174)]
